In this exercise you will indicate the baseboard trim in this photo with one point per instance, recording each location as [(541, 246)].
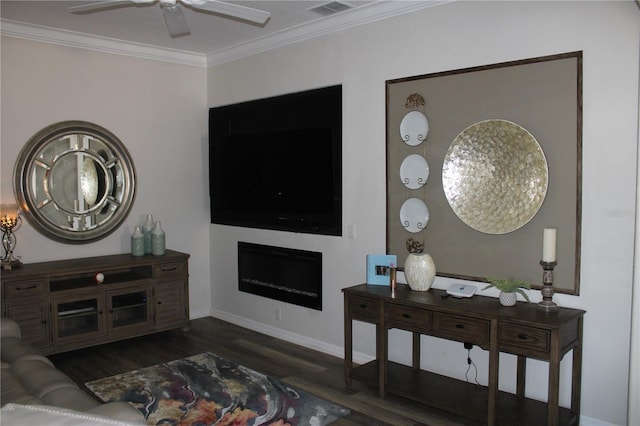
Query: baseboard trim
[(298, 339)]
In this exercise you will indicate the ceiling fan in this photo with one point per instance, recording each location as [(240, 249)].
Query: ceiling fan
[(173, 16)]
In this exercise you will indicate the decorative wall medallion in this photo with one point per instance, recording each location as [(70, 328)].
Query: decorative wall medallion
[(414, 171), (414, 101), (495, 176)]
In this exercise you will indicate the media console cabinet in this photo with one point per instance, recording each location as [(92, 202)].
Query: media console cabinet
[(521, 330), (61, 305)]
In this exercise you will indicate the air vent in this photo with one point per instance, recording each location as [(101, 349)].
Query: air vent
[(331, 8)]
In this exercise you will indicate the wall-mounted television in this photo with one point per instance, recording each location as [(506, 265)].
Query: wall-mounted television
[(276, 163)]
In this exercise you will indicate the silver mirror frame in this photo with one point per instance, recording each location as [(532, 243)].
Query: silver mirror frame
[(106, 199)]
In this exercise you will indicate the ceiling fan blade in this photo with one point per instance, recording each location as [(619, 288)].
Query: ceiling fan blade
[(242, 12), (176, 24), (96, 6)]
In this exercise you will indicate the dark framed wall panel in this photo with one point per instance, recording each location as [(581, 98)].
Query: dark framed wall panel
[(543, 95)]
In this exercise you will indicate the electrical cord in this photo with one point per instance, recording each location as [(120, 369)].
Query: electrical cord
[(470, 364)]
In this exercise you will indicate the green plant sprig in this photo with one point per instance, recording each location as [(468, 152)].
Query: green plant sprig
[(509, 285)]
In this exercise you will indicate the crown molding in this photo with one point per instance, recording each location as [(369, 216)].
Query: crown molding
[(373, 12), (15, 29), (377, 11)]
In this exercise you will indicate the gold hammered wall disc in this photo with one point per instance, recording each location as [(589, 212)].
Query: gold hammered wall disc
[(495, 176)]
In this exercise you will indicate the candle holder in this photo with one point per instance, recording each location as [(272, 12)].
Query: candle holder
[(547, 304), (10, 221)]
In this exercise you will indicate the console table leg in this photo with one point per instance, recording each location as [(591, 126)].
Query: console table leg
[(348, 342), (382, 350), (416, 351), (576, 378), (521, 377), (554, 380), (494, 358)]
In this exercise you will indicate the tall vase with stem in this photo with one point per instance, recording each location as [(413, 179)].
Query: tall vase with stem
[(147, 229)]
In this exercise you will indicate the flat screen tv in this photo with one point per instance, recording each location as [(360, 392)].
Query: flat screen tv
[(276, 163)]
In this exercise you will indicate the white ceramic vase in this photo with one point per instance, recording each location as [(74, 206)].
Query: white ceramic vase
[(508, 299), (419, 271)]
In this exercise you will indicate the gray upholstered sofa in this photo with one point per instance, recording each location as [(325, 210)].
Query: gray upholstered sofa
[(29, 379)]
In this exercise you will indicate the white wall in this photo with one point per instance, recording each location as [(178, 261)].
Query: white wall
[(158, 110), (453, 36)]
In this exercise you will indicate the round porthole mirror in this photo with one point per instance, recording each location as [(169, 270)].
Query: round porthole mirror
[(75, 182)]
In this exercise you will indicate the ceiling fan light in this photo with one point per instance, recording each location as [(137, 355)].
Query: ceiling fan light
[(176, 23)]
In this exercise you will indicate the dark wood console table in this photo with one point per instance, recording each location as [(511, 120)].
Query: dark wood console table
[(521, 330)]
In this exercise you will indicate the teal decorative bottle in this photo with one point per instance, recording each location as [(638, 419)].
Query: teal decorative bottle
[(157, 240), (137, 242), (146, 230)]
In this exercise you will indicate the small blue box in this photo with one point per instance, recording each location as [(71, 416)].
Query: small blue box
[(379, 268)]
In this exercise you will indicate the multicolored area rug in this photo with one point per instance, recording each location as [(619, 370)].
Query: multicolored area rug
[(206, 389)]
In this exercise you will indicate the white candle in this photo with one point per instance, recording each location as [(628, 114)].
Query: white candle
[(549, 245)]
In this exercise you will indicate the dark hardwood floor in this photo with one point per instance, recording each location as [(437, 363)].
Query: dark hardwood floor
[(313, 371)]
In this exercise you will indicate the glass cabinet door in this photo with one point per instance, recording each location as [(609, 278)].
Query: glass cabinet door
[(78, 318), (129, 308)]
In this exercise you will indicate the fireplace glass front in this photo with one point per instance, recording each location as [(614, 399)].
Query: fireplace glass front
[(289, 275)]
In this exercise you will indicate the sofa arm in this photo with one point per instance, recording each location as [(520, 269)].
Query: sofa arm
[(120, 411), (20, 415), (9, 328)]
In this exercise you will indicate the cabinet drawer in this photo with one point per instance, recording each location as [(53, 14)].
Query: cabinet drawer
[(364, 309), (30, 288), (174, 269), (520, 338), (461, 328), (406, 318)]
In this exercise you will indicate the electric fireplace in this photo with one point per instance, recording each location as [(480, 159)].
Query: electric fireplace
[(289, 275)]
